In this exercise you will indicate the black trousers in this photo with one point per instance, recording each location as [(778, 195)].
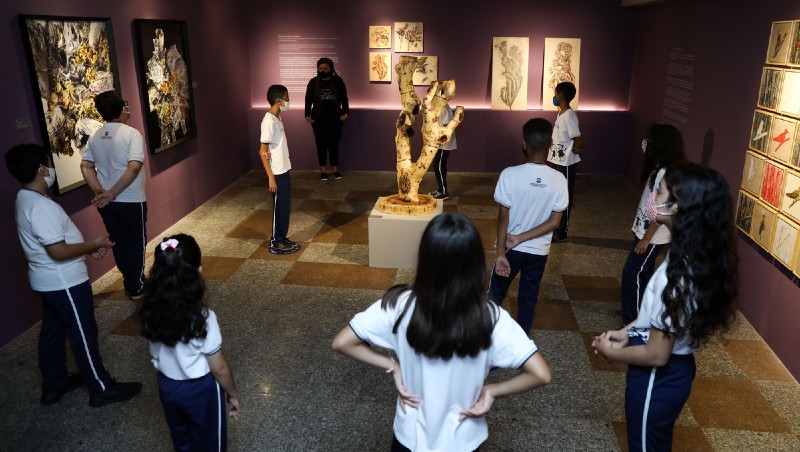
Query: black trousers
[(327, 133), (569, 172), (126, 223), (440, 168)]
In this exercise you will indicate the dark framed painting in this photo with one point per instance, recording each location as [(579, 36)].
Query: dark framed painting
[(71, 59), (165, 82)]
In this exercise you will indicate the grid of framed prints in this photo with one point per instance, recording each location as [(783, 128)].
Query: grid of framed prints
[(768, 207)]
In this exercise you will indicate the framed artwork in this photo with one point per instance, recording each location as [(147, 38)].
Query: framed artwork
[(763, 223), (794, 45), (770, 88), (797, 261), (562, 63), (772, 186), (744, 212), (380, 36), (165, 82), (790, 199), (509, 73), (380, 66), (784, 240), (71, 60), (759, 133), (794, 160), (779, 42), (427, 71), (789, 103), (408, 37), (782, 138), (753, 174)]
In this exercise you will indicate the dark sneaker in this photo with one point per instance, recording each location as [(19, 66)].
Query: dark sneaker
[(559, 236), (337, 175), (74, 382), (291, 243), (438, 195), (283, 248), (115, 392), (135, 296), (323, 177)]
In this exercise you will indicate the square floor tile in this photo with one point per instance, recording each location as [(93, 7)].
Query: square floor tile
[(262, 252), (757, 360), (318, 205), (233, 190), (592, 288), (733, 404), (215, 267), (344, 227), (339, 275), (257, 225), (598, 361), (131, 326), (476, 200), (685, 438), (554, 315)]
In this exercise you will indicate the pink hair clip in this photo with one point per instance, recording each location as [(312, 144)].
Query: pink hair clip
[(171, 243)]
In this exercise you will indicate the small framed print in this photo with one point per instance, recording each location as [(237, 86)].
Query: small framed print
[(744, 212), (759, 133), (790, 199), (762, 225), (789, 102), (380, 36), (427, 71), (408, 37), (796, 267), (794, 160), (753, 174), (380, 66), (772, 185), (782, 138), (770, 89), (794, 45), (780, 40), (784, 240)]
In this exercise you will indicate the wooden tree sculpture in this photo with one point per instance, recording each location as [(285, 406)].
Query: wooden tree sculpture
[(408, 201)]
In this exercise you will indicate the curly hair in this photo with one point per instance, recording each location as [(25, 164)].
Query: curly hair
[(664, 149), (452, 315), (702, 279), (174, 309)]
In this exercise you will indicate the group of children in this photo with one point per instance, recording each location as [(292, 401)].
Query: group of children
[(446, 329)]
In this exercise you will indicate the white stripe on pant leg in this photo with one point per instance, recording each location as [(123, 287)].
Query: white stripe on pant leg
[(274, 215), (219, 418), (647, 407), (638, 285), (144, 246), (441, 176), (83, 337)]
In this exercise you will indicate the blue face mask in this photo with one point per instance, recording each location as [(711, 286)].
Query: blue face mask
[(555, 101)]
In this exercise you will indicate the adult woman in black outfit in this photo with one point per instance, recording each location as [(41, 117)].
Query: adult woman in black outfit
[(327, 109)]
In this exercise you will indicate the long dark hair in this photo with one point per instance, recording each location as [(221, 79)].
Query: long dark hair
[(664, 149), (702, 279), (174, 309), (452, 315), (334, 76)]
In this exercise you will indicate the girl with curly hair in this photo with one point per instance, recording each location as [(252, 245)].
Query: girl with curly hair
[(691, 296), (185, 343)]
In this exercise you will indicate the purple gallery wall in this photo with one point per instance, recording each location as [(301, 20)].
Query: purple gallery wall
[(729, 41), (460, 34), (179, 179)]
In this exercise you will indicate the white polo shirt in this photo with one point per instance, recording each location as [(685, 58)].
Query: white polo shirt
[(273, 135), (187, 360), (110, 149), (565, 130)]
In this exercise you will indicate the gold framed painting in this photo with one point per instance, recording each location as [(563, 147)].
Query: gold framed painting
[(789, 102), (772, 185), (753, 173), (790, 195), (509, 73), (562, 63), (380, 67), (762, 225), (770, 89), (380, 36), (744, 212), (760, 130), (782, 138), (784, 241), (427, 71), (409, 37), (780, 39)]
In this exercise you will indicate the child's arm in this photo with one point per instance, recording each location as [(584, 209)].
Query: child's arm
[(641, 247), (535, 373), (63, 251), (224, 375), (264, 153), (550, 224), (655, 353), (577, 145), (501, 266)]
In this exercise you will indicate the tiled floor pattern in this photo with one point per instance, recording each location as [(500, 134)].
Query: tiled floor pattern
[(279, 313)]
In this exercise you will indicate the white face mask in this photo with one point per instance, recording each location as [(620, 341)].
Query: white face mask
[(50, 179), (285, 105)]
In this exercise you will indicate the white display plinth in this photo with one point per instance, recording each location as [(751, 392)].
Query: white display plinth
[(394, 239)]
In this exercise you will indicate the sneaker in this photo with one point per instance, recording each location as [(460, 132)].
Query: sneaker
[(74, 382), (283, 248), (135, 296), (559, 236), (291, 243), (115, 392), (323, 177), (337, 175), (438, 195)]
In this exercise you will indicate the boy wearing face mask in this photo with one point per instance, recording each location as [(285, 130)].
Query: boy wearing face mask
[(274, 154), (55, 250), (327, 108)]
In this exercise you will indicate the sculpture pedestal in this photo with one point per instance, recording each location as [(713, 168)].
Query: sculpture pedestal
[(394, 239)]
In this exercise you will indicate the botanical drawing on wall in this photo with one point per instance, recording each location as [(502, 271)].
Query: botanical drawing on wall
[(790, 199), (770, 88), (790, 93), (427, 71), (773, 184), (71, 60), (779, 42), (763, 221), (408, 37), (379, 66), (782, 138), (509, 73), (794, 46), (380, 36), (744, 212), (784, 240), (759, 134), (562, 63), (753, 172), (165, 82)]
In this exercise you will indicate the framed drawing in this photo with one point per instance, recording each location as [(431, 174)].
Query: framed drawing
[(562, 63), (770, 88), (380, 36), (380, 66), (772, 186), (509, 73), (427, 71), (744, 212), (789, 103), (794, 160), (782, 138), (763, 223), (784, 240), (753, 174), (165, 82), (408, 37), (71, 59), (759, 133), (796, 267), (790, 199), (780, 39), (794, 45)]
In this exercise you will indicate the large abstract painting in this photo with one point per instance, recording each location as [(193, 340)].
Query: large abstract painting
[(509, 73), (165, 82), (780, 40), (71, 59), (562, 63)]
